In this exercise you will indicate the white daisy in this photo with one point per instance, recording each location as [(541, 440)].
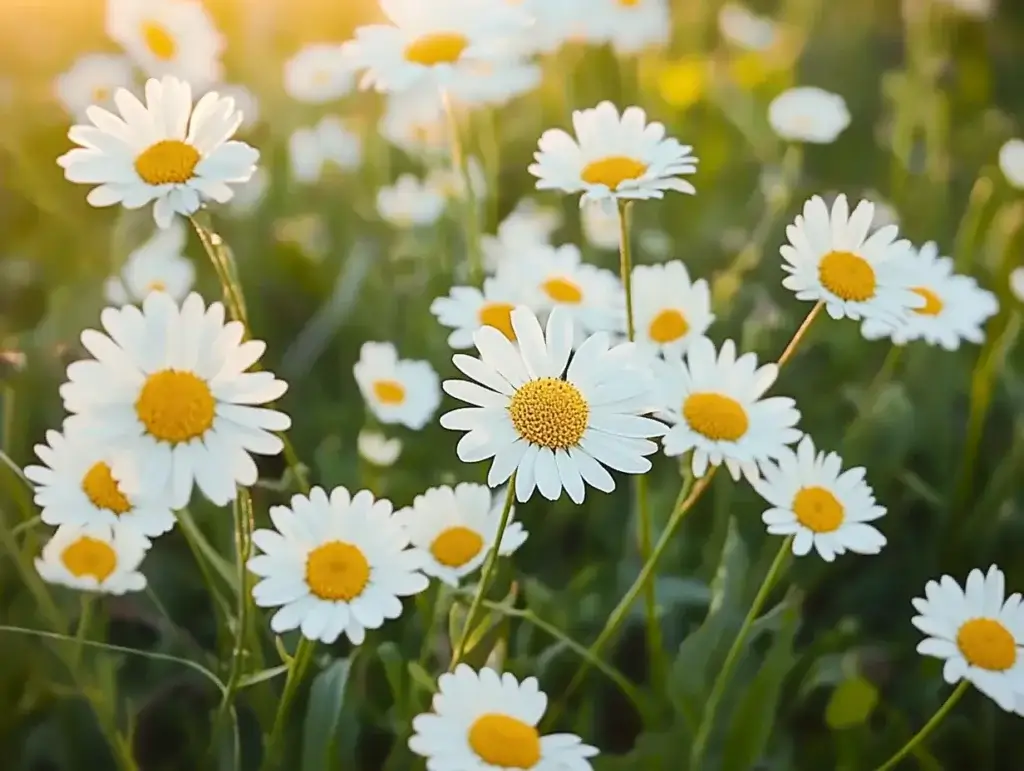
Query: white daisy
[(553, 426), (555, 24), (456, 529), (808, 114), (527, 226), (335, 565), (159, 265), (670, 311), (714, 402), (824, 507), (172, 388), (450, 183), (600, 226), (77, 486), (397, 390), (410, 203), (415, 122), (745, 29), (1017, 284), (92, 80), (467, 308), (376, 449), (329, 142), (164, 151), (831, 258), (978, 631), (317, 74), (955, 307), (94, 558), (1011, 162), (245, 102), (612, 157), (483, 721), (632, 25), (496, 83)]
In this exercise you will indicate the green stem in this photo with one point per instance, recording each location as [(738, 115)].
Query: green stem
[(470, 215), (296, 673), (82, 632), (732, 658), (966, 241), (928, 727), (428, 605)]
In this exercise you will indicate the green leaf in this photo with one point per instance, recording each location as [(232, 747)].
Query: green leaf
[(729, 584), (323, 715), (247, 681), (421, 677), (851, 703), (652, 752), (394, 669)]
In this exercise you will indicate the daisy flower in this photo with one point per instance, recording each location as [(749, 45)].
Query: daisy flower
[(334, 565), (410, 203), (170, 387), (632, 25), (376, 449), (327, 143), (76, 485), (495, 84), (745, 29), (397, 390), (670, 310), (164, 151), (714, 402), (528, 226), (415, 122), (955, 307), (466, 309), (1011, 162), (456, 529), (808, 114), (1017, 284), (157, 266), (245, 102), (94, 558), (612, 157), (92, 80), (831, 258), (482, 721), (825, 508), (600, 226), (555, 24), (317, 74), (978, 631), (554, 427)]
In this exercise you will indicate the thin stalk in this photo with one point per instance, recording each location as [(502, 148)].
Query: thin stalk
[(470, 215), (296, 673), (787, 354), (428, 605), (928, 727)]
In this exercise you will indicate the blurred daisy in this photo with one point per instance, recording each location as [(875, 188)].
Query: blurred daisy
[(329, 142), (825, 508), (456, 529), (317, 74), (526, 227), (1011, 162), (555, 24), (955, 307), (978, 631), (553, 426), (449, 182), (745, 29), (482, 721), (377, 450), (410, 203), (249, 195), (334, 565), (831, 258), (714, 402), (979, 9), (670, 310), (414, 121), (245, 102), (92, 80), (164, 151), (168, 38), (600, 226), (159, 265), (94, 558), (632, 25), (495, 84), (397, 390), (170, 387), (466, 309), (808, 114), (1017, 284), (613, 157)]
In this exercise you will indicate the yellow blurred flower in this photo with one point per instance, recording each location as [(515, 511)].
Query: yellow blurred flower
[(684, 82), (750, 69)]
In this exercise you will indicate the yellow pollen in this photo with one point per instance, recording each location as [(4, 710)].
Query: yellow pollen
[(175, 406), (549, 412), (337, 571), (158, 40), (456, 546), (436, 48), (847, 275), (168, 162), (100, 94), (818, 510), (389, 392), (505, 742), (715, 416), (562, 290), (933, 304), (612, 171), (156, 286), (987, 644), (89, 557), (102, 489), (668, 326), (629, 3), (499, 316)]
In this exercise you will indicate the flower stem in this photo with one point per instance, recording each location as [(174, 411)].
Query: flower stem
[(928, 727), (470, 215), (798, 336), (296, 673)]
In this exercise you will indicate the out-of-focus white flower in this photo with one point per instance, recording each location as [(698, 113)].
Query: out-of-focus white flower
[(496, 83), (410, 203), (329, 142), (317, 74), (528, 226), (248, 195), (631, 25), (1011, 162), (92, 80), (245, 102), (415, 122), (375, 448), (159, 265), (980, 9), (600, 225), (557, 23), (450, 183), (808, 114), (1017, 284), (745, 29)]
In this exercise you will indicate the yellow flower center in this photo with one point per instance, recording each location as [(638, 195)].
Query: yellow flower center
[(933, 304), (456, 546), (499, 316), (562, 290), (818, 510), (629, 3), (667, 326), (549, 412), (100, 94), (156, 286), (848, 276), (168, 162), (337, 571), (389, 392), (612, 171), (159, 40), (436, 48), (102, 489), (175, 406), (89, 557), (715, 416), (987, 644), (504, 741)]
